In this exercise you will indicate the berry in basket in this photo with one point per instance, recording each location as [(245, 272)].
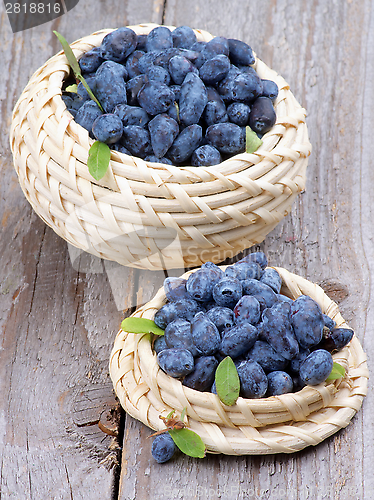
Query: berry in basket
[(165, 97), (278, 345)]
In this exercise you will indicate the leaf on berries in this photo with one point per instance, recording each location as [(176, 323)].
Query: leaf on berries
[(98, 159), (188, 442), (72, 88), (140, 325), (338, 371), (227, 381), (72, 60), (252, 141)]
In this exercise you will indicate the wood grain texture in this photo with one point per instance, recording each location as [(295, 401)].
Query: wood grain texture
[(60, 311)]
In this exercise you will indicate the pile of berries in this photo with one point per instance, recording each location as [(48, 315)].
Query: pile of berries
[(278, 345), (168, 98)]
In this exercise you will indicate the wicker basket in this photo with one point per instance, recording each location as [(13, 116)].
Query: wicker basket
[(278, 424), (148, 215)]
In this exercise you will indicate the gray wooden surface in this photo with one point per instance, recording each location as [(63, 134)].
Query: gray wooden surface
[(60, 311)]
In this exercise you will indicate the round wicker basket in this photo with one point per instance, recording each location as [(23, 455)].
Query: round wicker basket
[(148, 215), (278, 424)]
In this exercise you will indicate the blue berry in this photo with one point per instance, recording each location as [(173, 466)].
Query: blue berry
[(107, 128), (155, 97), (253, 380), (258, 257), (270, 89), (214, 69), (215, 46), (200, 284), (224, 87), (247, 310), (110, 88), (205, 334), (147, 60), (131, 115), (279, 382), (182, 308), (247, 87), (192, 100), (158, 74), (227, 292), (271, 278), (266, 356), (137, 140), (328, 322), (226, 137), (163, 130), (238, 113), (202, 377), (132, 63), (87, 114), (160, 344), (307, 321), (244, 271), (133, 88), (336, 339), (185, 144), (205, 156), (258, 289), (222, 317), (178, 335), (118, 44), (175, 288), (91, 60), (262, 116), (240, 52), (81, 89), (316, 367), (179, 67), (215, 109), (159, 38), (278, 331), (183, 37), (238, 340), (163, 448), (294, 365), (176, 362)]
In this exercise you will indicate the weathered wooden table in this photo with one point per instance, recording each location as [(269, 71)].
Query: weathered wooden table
[(60, 312)]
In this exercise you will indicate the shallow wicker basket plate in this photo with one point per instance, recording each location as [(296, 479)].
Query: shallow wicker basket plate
[(279, 424), (148, 215)]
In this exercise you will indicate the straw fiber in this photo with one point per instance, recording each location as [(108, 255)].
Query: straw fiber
[(149, 215), (278, 424)]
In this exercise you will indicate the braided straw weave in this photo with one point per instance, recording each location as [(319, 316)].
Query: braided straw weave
[(279, 424), (149, 215)]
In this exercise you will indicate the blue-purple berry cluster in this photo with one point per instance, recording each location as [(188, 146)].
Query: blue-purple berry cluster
[(169, 98), (278, 345)]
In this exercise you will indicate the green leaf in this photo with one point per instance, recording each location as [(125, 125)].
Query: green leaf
[(188, 442), (252, 141), (183, 414), (72, 88), (98, 159), (227, 381), (72, 60), (140, 325), (338, 371)]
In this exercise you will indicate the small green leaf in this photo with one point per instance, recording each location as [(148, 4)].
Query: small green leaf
[(227, 381), (170, 414), (72, 88), (98, 159), (140, 325), (252, 141), (72, 60), (188, 442), (338, 371), (183, 414)]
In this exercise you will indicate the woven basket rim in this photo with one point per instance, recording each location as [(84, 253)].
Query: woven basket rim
[(243, 428)]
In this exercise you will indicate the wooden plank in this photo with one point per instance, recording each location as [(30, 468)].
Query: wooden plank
[(324, 50), (58, 313)]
